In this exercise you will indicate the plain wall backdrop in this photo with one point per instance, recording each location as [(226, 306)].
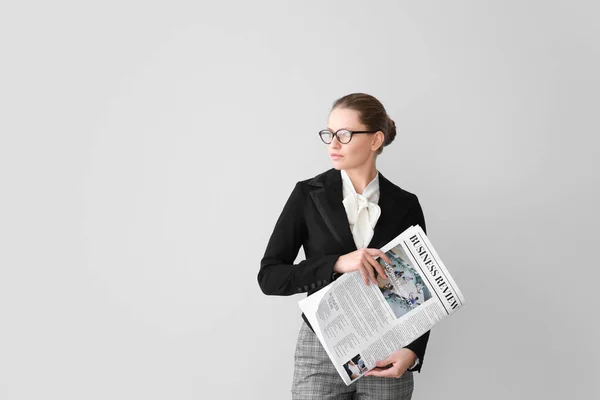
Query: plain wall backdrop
[(147, 149)]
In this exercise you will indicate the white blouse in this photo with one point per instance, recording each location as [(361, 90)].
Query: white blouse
[(362, 209), (363, 212)]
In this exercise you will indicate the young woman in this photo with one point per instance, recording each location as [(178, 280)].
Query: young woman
[(335, 215)]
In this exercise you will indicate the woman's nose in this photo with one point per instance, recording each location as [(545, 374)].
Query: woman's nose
[(335, 143)]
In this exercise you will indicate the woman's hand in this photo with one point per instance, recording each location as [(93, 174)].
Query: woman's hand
[(400, 360), (362, 260)]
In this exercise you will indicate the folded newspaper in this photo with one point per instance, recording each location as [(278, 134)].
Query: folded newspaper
[(359, 325)]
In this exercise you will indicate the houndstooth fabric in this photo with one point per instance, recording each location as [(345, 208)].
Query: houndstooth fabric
[(315, 377)]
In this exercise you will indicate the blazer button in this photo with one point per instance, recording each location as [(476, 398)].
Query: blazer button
[(312, 285), (299, 289), (305, 287)]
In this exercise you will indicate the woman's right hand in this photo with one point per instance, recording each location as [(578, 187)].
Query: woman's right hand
[(362, 260)]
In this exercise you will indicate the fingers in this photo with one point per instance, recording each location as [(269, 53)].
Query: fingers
[(383, 255), (381, 370), (363, 268), (378, 253), (369, 273), (367, 264), (377, 266), (384, 362), (393, 372)]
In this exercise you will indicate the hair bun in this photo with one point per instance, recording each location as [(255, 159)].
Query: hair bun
[(391, 133)]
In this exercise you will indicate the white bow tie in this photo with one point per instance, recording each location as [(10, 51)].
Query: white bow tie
[(362, 216)]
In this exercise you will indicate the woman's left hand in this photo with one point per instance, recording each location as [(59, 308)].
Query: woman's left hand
[(400, 361)]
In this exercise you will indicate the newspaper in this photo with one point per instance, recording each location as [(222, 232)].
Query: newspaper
[(359, 325)]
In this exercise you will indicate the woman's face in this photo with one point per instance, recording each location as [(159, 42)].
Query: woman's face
[(361, 147)]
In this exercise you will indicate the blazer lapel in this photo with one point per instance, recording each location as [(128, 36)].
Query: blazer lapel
[(392, 213), (328, 200)]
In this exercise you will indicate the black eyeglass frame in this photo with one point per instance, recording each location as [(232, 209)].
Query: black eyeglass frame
[(337, 136)]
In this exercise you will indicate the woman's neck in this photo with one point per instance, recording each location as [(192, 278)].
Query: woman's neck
[(361, 177)]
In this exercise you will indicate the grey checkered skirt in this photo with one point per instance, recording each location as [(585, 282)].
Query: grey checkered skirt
[(315, 377)]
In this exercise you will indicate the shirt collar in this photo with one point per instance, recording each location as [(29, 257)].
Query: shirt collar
[(371, 192)]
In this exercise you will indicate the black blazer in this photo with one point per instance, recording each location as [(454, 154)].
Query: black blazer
[(314, 217)]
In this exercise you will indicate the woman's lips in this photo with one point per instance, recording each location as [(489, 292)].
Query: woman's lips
[(336, 156)]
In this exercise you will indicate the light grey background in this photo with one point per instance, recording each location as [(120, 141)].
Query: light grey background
[(147, 149)]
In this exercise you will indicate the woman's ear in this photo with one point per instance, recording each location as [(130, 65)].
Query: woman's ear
[(378, 139)]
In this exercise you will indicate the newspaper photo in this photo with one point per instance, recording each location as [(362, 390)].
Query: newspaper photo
[(360, 324)]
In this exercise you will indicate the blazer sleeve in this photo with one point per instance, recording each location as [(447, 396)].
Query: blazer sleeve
[(419, 345), (278, 275)]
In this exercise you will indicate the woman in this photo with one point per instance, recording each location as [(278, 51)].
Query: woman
[(335, 215)]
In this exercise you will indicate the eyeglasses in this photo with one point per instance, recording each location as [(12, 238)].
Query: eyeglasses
[(343, 135)]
